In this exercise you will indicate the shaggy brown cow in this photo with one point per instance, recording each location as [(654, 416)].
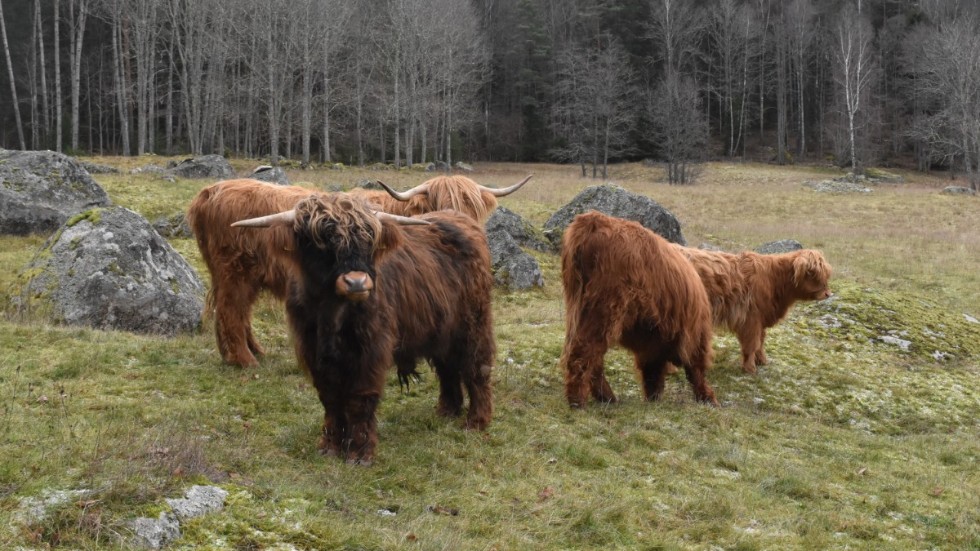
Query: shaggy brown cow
[(751, 292), (242, 264), (453, 192), (369, 293), (626, 285)]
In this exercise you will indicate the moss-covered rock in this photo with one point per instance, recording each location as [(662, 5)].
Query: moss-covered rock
[(39, 190), (109, 269)]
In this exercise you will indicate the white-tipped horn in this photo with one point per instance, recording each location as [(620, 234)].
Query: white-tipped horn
[(507, 190), (285, 218), (403, 195), (403, 220)]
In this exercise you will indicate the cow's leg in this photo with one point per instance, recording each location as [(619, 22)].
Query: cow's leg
[(651, 364), (361, 437), (749, 337), (601, 391), (760, 354), (583, 363), (450, 386), (699, 362), (477, 383), (477, 359), (331, 436), (253, 343), (334, 420), (232, 322)]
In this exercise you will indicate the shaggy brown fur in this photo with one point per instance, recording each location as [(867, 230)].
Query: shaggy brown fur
[(241, 262), (421, 292), (751, 292), (453, 192), (626, 285)]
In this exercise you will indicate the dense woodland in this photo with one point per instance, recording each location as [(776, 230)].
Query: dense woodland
[(579, 81)]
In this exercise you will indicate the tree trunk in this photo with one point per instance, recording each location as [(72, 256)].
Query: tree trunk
[(120, 79), (169, 113), (13, 86), (45, 103), (398, 114), (327, 157), (32, 78), (76, 67), (57, 79), (781, 95)]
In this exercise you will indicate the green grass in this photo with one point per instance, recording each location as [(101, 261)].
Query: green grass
[(843, 441)]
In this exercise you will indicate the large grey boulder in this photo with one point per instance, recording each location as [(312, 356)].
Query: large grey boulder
[(505, 220), (39, 190), (205, 166), (958, 190), (109, 269), (779, 247), (512, 267), (174, 225), (95, 168), (615, 201), (270, 174)]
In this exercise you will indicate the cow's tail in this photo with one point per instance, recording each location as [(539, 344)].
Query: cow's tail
[(196, 214), (406, 374)]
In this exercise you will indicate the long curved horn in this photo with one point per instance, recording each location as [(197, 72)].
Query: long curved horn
[(404, 195), (507, 190), (403, 220), (284, 218)]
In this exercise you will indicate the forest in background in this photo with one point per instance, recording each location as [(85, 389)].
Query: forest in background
[(579, 81)]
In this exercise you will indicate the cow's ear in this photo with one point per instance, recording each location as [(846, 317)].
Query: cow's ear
[(801, 266), (390, 239)]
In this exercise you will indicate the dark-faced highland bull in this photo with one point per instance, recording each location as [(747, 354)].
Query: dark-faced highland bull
[(243, 264), (372, 290), (626, 285)]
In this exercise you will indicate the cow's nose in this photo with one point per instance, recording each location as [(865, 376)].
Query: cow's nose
[(355, 286), (355, 283)]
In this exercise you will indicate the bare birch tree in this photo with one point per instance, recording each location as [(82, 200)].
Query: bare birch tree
[(143, 18), (78, 15), (58, 102), (798, 19), (461, 67), (680, 129), (676, 26), (854, 67), (946, 62), (595, 112), (730, 32), (13, 86)]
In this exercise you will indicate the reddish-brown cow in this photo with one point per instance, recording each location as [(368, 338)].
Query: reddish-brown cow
[(626, 285), (369, 293), (751, 292), (242, 263)]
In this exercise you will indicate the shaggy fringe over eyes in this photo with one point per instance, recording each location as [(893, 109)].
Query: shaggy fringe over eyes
[(810, 264), (460, 194), (339, 219)]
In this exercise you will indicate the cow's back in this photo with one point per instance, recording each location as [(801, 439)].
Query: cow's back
[(233, 251)]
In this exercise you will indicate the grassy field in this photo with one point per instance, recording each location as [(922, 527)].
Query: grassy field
[(843, 442)]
